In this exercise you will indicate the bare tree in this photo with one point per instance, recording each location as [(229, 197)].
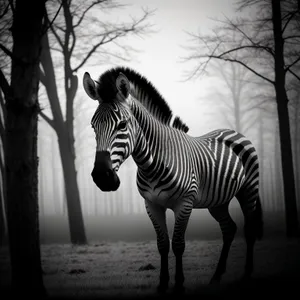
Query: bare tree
[(21, 113), (262, 46), (75, 36), (239, 95)]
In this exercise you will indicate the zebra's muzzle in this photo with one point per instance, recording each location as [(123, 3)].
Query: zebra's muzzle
[(103, 175)]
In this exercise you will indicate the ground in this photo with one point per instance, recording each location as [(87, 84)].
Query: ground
[(131, 269)]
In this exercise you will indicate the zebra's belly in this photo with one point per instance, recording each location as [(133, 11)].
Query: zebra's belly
[(163, 198)]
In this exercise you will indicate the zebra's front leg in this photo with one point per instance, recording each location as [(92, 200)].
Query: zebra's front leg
[(182, 215), (157, 215)]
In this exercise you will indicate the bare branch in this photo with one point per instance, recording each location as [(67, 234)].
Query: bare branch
[(47, 119), (50, 23), (86, 10), (288, 37), (54, 32), (94, 48), (69, 30), (243, 64), (221, 57), (201, 66), (256, 45), (293, 73), (242, 4), (56, 49), (4, 85), (56, 26), (4, 11), (73, 40), (112, 35), (6, 51), (290, 17), (292, 64), (248, 47)]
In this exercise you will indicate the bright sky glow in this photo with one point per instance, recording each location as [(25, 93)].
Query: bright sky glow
[(160, 59)]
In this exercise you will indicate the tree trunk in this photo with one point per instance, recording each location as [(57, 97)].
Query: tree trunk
[(21, 151), (56, 189), (287, 166), (278, 171), (77, 232), (272, 187), (291, 215), (261, 160), (66, 149)]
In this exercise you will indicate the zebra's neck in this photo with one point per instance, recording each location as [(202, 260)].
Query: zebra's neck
[(148, 144)]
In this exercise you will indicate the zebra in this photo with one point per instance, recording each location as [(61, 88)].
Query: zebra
[(174, 170)]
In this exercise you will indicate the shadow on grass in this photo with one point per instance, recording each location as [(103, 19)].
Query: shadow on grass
[(255, 288)]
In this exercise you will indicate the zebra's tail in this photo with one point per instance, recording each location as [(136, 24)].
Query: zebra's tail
[(258, 223)]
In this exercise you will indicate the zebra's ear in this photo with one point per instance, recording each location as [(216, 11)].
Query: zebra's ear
[(90, 86), (123, 85)]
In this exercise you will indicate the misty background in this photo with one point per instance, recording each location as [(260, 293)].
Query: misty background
[(160, 47)]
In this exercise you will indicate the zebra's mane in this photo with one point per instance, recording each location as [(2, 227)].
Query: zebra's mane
[(143, 91)]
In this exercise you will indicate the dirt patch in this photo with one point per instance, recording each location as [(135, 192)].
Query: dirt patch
[(112, 270)]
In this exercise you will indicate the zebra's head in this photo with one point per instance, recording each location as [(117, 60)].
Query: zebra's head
[(114, 128)]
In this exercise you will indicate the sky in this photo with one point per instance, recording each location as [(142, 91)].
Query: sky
[(161, 54)]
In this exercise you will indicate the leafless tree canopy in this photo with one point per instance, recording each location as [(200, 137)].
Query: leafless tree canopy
[(249, 41), (83, 28)]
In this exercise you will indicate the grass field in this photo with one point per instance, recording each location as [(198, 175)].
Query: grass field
[(131, 269)]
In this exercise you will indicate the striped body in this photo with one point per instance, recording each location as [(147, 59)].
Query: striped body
[(174, 170), (209, 169)]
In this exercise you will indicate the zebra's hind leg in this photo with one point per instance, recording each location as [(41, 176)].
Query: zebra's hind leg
[(228, 228), (253, 228), (157, 215), (182, 214)]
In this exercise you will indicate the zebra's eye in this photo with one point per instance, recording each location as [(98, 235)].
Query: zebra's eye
[(122, 125)]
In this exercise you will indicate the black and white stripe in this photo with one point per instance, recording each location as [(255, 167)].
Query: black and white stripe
[(178, 171)]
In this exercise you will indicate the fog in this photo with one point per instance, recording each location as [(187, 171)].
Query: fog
[(204, 103)]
